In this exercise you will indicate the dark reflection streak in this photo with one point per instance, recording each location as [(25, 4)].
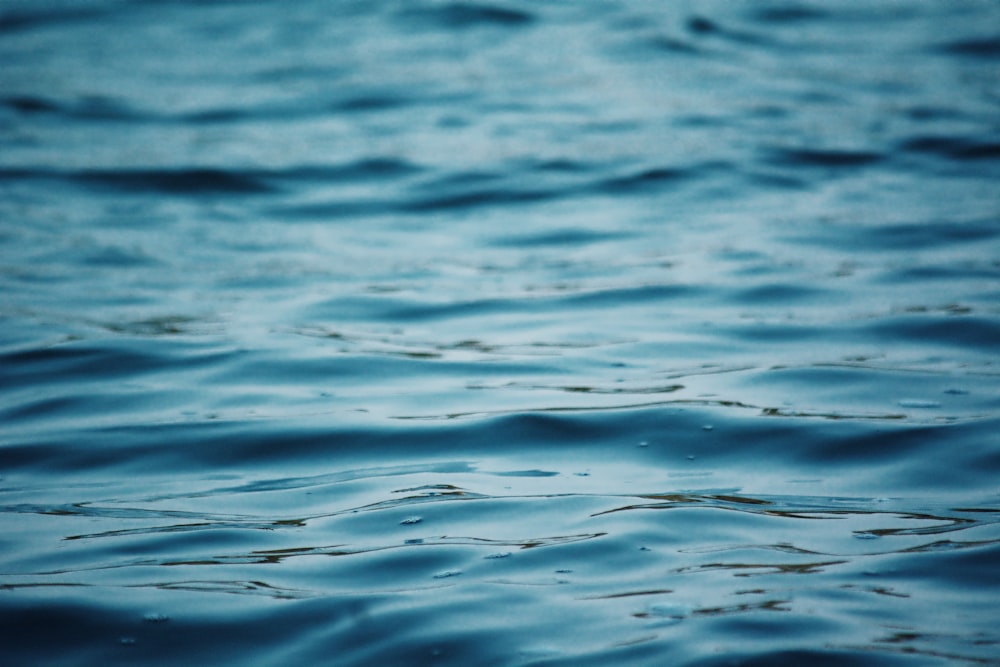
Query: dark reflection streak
[(909, 650), (11, 587), (636, 641), (435, 349), (950, 524), (948, 545), (280, 555), (767, 605), (679, 374), (890, 369), (263, 589), (432, 489), (526, 584), (738, 499), (775, 568), (618, 390), (630, 594), (783, 548), (180, 528), (264, 524), (405, 501), (878, 590), (766, 412), (286, 483), (83, 509), (236, 587), (689, 501), (955, 523), (448, 493)]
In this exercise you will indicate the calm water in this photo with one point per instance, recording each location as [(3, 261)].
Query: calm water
[(444, 333)]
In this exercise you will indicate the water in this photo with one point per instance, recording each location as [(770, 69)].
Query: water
[(505, 334)]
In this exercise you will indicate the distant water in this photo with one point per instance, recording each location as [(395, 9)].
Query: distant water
[(465, 333)]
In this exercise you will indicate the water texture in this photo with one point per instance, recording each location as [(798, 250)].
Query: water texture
[(499, 333)]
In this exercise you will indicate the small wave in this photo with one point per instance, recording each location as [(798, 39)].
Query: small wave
[(830, 159), (955, 148), (927, 235), (364, 103), (195, 181), (464, 15), (184, 181), (987, 48), (644, 180), (777, 294), (963, 332), (789, 13), (30, 104), (397, 309), (22, 20), (468, 191), (566, 237), (85, 108), (672, 45), (176, 181), (625, 296), (702, 27), (901, 237), (69, 363), (466, 200)]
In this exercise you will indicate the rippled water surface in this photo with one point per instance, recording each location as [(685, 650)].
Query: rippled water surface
[(454, 333)]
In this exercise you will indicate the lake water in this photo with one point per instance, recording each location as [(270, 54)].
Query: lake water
[(455, 333)]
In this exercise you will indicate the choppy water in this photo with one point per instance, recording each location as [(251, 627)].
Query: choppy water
[(451, 333)]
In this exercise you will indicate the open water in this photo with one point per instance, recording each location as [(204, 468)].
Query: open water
[(499, 333)]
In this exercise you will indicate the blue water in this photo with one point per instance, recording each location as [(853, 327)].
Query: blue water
[(471, 333)]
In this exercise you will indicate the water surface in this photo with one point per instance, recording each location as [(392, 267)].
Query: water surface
[(499, 333)]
